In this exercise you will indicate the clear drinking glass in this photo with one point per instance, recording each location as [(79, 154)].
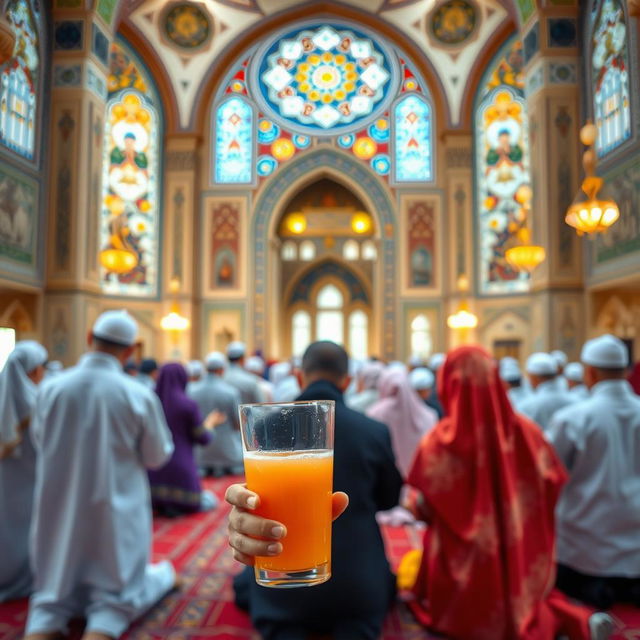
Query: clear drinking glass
[(288, 461)]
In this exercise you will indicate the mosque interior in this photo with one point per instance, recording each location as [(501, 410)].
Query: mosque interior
[(393, 175)]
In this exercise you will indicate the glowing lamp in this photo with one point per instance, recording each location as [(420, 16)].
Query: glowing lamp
[(462, 318), (174, 321), (525, 256), (588, 213), (118, 260), (296, 222), (361, 222)]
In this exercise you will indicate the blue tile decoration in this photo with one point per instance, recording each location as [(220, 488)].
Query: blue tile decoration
[(531, 42), (562, 32), (100, 44), (68, 35)]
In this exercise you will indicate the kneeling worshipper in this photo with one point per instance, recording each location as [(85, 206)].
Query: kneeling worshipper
[(574, 373), (547, 395), (598, 439), (487, 484), (23, 370), (176, 487), (223, 454), (366, 387), (407, 417), (95, 431)]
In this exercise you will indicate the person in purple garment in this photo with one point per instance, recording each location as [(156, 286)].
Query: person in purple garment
[(176, 488)]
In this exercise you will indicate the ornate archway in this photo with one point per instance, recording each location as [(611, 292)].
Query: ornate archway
[(266, 307)]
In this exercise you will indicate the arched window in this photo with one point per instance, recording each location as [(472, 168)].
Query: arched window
[(369, 250), (307, 250), (610, 77), (234, 142), (131, 182), (351, 250), (421, 335), (289, 250), (330, 319), (19, 82), (502, 171), (358, 335), (412, 140), (301, 332)]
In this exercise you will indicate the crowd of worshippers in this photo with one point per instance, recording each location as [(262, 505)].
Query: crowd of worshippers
[(529, 486)]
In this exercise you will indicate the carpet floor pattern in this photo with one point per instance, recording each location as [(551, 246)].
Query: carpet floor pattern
[(203, 608)]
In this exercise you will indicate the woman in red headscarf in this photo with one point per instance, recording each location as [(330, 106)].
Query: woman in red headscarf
[(488, 483)]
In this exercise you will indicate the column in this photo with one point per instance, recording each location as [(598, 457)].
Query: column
[(553, 70), (78, 94)]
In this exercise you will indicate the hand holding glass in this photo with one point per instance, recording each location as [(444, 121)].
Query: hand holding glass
[(288, 458)]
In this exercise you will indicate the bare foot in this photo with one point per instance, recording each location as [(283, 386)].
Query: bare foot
[(179, 583)]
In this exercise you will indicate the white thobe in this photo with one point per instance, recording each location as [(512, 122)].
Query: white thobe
[(244, 382), (363, 400), (579, 392), (146, 381), (224, 450), (95, 431), (546, 399), (598, 514), (517, 395)]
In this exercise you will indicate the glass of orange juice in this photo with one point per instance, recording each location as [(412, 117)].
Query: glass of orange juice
[(288, 461)]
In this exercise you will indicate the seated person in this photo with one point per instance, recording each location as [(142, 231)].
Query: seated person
[(353, 604), (487, 482), (598, 513)]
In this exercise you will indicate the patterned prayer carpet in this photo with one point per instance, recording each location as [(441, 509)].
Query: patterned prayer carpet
[(203, 609)]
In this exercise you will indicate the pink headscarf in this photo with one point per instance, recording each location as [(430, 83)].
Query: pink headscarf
[(406, 415)]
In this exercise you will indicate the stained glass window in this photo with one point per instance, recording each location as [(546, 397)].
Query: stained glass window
[(324, 78), (300, 332), (289, 250), (307, 250), (412, 139), (358, 335), (421, 336), (610, 71), (351, 250), (130, 214), (234, 142), (19, 79), (503, 191)]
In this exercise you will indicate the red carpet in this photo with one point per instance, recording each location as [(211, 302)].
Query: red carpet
[(203, 609)]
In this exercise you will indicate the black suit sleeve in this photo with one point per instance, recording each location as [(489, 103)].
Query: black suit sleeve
[(389, 481)]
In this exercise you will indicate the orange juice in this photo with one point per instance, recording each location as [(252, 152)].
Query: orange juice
[(295, 489)]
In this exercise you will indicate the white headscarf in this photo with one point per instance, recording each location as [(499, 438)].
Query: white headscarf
[(17, 391)]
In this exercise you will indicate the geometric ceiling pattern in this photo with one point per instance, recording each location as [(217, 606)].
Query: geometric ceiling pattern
[(188, 37)]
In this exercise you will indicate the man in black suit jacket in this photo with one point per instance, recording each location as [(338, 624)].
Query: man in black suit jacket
[(352, 605)]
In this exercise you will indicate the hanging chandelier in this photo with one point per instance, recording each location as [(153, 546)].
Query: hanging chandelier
[(525, 256), (588, 213), (463, 318), (174, 321)]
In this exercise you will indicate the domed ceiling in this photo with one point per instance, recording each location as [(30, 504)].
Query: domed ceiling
[(190, 36)]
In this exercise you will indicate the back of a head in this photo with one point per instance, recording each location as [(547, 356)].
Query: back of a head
[(607, 355), (173, 379), (255, 364), (148, 366), (114, 332), (327, 359), (470, 385)]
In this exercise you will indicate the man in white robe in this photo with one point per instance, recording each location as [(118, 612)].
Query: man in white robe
[(574, 374), (96, 432), (511, 375), (237, 377), (547, 396), (256, 366), (561, 360), (223, 454), (598, 514), (23, 370)]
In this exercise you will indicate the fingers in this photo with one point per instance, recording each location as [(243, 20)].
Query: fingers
[(245, 547), (339, 502), (238, 495)]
